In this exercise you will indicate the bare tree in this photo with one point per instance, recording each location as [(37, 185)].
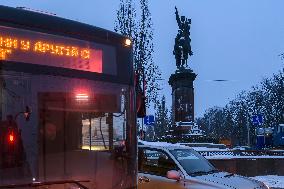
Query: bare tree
[(233, 121), (140, 31), (162, 119)]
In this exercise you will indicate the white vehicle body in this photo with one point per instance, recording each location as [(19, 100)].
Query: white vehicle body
[(180, 177)]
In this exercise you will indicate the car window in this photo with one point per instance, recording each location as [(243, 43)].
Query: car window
[(191, 161), (155, 162)]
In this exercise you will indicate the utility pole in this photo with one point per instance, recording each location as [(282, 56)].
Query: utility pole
[(248, 130)]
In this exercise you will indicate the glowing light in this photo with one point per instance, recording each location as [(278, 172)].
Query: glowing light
[(41, 47), (3, 53), (11, 138), (8, 42), (51, 51), (74, 51), (25, 45), (85, 54), (127, 42), (94, 148), (82, 97)]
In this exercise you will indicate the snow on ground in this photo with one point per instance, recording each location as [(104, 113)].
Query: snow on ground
[(274, 181)]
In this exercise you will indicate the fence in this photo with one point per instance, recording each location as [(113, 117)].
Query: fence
[(247, 162), (241, 153)]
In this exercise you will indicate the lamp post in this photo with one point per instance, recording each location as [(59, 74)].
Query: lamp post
[(248, 129)]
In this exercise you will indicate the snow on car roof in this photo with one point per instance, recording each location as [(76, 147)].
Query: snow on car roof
[(176, 145), (161, 144)]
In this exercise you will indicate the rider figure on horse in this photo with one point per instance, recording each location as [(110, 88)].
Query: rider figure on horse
[(182, 46)]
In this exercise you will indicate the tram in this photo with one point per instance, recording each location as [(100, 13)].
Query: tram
[(67, 104)]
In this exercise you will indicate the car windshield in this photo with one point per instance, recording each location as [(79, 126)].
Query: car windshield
[(192, 162)]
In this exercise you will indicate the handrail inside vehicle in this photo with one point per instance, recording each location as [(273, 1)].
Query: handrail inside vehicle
[(36, 184)]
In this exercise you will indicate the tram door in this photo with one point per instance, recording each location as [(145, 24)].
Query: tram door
[(60, 146)]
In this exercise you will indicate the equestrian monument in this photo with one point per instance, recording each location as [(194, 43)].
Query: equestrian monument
[(182, 80)]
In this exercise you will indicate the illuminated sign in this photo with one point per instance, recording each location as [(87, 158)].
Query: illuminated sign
[(26, 46)]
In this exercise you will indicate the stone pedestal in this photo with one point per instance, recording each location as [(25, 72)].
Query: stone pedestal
[(183, 95)]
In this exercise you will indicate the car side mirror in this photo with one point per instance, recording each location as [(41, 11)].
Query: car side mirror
[(173, 174)]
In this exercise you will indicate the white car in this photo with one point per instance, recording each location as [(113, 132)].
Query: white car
[(178, 167)]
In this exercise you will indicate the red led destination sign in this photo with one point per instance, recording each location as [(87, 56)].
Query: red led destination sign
[(26, 46)]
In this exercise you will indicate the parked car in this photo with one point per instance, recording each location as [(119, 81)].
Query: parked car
[(180, 167)]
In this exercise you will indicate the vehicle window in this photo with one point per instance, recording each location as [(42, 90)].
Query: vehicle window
[(191, 161), (155, 162)]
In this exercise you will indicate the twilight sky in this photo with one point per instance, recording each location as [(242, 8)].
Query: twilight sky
[(238, 40)]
